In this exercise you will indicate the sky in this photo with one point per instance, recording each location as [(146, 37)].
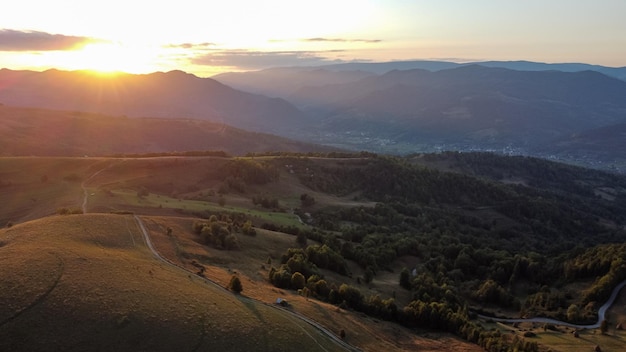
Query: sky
[(206, 37)]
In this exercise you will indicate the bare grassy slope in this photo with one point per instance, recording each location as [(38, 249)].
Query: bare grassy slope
[(89, 283), (28, 131)]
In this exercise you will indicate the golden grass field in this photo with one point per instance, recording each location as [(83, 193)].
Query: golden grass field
[(75, 282)]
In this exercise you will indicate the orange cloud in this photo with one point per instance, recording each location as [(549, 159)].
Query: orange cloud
[(16, 40)]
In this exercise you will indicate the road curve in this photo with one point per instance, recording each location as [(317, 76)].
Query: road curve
[(297, 315), (601, 314)]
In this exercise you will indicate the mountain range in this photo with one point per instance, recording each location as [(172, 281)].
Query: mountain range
[(172, 94), (519, 107), (401, 107)]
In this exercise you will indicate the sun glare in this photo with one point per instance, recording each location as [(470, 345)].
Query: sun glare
[(112, 57)]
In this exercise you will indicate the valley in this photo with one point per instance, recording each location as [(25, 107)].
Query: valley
[(361, 176)]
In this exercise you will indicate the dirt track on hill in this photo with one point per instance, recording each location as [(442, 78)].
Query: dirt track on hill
[(296, 315)]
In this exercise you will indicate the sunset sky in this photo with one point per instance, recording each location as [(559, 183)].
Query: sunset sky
[(208, 37)]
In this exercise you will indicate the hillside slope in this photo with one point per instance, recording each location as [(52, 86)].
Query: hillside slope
[(29, 131), (89, 283)]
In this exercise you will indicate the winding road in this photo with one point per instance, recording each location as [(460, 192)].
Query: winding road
[(297, 315), (159, 257), (601, 314)]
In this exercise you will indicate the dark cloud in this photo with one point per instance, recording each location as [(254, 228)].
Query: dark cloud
[(245, 59), (341, 40), (14, 40)]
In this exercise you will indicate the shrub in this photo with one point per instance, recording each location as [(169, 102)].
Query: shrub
[(231, 242), (235, 284), (247, 229)]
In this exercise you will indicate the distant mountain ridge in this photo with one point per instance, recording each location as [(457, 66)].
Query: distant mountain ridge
[(282, 81), (519, 65), (173, 94), (403, 107)]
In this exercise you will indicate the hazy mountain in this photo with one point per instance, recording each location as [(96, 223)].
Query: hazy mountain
[(474, 106), (28, 131), (384, 67), (172, 94), (616, 72), (282, 82)]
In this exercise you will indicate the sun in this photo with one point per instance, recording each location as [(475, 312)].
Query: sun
[(111, 57)]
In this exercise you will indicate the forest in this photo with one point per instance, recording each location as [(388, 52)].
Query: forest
[(484, 243)]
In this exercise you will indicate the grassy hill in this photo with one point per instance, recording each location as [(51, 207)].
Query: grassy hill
[(476, 232), (89, 283)]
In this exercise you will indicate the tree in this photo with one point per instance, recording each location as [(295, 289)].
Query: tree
[(368, 275), (321, 288), (297, 280), (405, 279), (573, 313), (235, 284), (231, 242)]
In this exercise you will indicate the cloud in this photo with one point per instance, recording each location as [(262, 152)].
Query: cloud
[(341, 40), (245, 59), (14, 40), (195, 46)]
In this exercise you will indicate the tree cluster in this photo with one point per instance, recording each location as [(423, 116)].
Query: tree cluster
[(218, 233), (266, 202)]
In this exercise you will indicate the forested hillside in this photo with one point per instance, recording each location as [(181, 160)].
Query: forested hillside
[(483, 241)]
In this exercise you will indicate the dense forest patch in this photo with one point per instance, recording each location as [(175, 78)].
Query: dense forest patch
[(483, 242)]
